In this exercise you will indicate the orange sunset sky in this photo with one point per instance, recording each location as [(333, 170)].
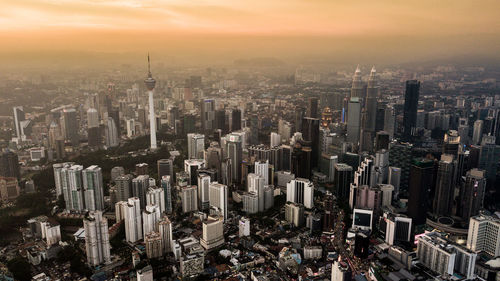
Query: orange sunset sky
[(343, 28)]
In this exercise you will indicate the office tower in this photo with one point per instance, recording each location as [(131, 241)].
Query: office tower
[(275, 139), (235, 120), (9, 189), (244, 227), (358, 90), (70, 126), (203, 191), (97, 245), (207, 115), (19, 116), (153, 245), (213, 158), (150, 218), (123, 185), (382, 140), (362, 219), (189, 197), (150, 85), (477, 132), (299, 115), (196, 146), (445, 186), (145, 274), (366, 197), (341, 271), (140, 186), (93, 130), (167, 192), (387, 194), (394, 179), (234, 152), (220, 120), (72, 186), (310, 133), (112, 138), (218, 198), (165, 168), (58, 180), (9, 165), (191, 167), (326, 117), (284, 130), (131, 132), (312, 107), (400, 155), (353, 120), (397, 228), (443, 257), (156, 196), (93, 188), (250, 202), (489, 158), (328, 215), (120, 210), (262, 169), (165, 229), (133, 220), (421, 182), (381, 166), (116, 172), (342, 179), (451, 143), (268, 196), (255, 184), (410, 108), (484, 235), (294, 214), (213, 233), (472, 193), (389, 120), (300, 191), (370, 112), (327, 166)]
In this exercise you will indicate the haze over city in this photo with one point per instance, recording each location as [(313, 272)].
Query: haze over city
[(249, 140)]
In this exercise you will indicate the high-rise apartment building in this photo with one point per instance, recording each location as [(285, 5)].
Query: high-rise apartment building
[(93, 188), (97, 245), (133, 220)]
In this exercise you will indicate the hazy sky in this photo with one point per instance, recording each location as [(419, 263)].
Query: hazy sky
[(343, 28)]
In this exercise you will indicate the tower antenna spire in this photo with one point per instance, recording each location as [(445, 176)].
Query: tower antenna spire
[(149, 66)]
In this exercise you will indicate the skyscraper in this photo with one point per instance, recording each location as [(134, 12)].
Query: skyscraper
[(123, 186), (165, 168), (472, 193), (421, 182), (165, 228), (342, 179), (93, 130), (235, 120), (97, 245), (9, 165), (112, 139), (150, 218), (300, 191), (234, 148), (93, 189), (133, 221), (310, 132), (357, 90), (410, 108), (477, 133), (150, 85), (196, 146), (71, 126), (353, 120), (140, 186), (370, 109), (445, 186), (203, 191), (312, 107), (208, 115), (218, 194), (167, 191)]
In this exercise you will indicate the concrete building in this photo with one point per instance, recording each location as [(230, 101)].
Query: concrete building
[(97, 245), (484, 235), (165, 229), (218, 198), (189, 197), (133, 220), (244, 227), (156, 196), (300, 191), (154, 245), (294, 214), (93, 188), (150, 218), (203, 191), (196, 146), (213, 233)]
